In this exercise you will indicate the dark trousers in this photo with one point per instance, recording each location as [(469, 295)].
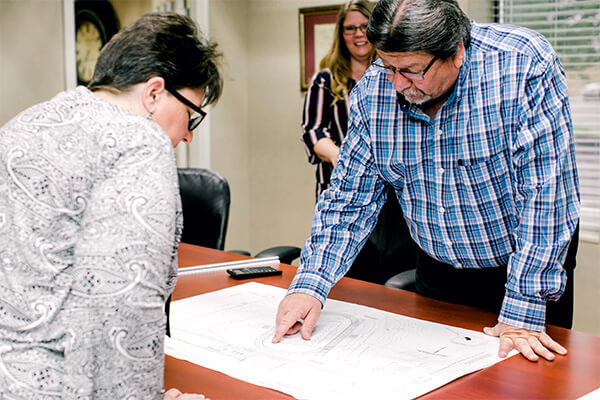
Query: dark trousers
[(484, 288)]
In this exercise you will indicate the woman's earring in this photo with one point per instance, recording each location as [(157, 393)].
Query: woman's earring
[(149, 117)]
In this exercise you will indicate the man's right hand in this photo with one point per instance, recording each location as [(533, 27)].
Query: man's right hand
[(293, 308)]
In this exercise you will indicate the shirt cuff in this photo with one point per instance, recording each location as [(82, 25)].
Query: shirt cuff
[(311, 284), (523, 312)]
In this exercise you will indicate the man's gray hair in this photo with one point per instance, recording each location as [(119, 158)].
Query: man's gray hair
[(435, 26)]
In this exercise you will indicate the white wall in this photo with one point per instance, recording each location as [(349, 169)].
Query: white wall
[(587, 289), (255, 135), (130, 10), (31, 54), (230, 140), (480, 11), (282, 190)]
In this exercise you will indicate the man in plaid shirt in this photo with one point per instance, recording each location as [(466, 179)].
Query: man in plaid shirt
[(470, 124)]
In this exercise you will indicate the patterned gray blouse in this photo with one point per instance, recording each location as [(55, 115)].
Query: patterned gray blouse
[(90, 219)]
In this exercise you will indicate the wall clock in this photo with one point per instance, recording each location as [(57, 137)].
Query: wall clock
[(95, 23)]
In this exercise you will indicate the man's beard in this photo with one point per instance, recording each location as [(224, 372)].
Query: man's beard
[(410, 93)]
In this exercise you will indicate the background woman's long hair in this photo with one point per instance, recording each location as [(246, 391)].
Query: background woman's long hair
[(337, 58)]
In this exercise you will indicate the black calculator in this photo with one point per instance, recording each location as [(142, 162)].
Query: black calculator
[(252, 272)]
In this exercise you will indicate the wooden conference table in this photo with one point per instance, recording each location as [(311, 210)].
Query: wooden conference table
[(567, 377)]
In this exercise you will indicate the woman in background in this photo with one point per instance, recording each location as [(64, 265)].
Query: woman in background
[(325, 116), (90, 218), (325, 123)]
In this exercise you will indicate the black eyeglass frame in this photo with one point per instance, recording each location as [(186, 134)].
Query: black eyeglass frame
[(192, 122), (416, 76), (351, 29)]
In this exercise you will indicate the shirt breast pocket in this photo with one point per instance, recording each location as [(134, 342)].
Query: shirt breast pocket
[(484, 188)]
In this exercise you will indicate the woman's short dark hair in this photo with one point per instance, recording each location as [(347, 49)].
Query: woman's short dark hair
[(168, 45), (435, 26)]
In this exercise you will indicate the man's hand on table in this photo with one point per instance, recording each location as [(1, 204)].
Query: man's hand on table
[(293, 308), (529, 343)]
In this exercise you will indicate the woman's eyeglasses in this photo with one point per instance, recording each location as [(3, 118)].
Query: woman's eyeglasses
[(351, 29), (413, 76), (193, 122)]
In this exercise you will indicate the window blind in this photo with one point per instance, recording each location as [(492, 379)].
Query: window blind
[(573, 29)]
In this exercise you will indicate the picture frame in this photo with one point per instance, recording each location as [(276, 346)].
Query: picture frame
[(317, 25)]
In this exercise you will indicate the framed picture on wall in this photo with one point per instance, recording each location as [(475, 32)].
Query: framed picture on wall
[(317, 25)]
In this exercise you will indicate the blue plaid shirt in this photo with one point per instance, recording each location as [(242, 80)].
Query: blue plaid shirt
[(490, 181)]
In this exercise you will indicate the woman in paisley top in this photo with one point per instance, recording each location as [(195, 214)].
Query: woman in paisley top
[(90, 218)]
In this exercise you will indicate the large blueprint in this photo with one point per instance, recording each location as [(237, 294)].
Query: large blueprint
[(355, 352)]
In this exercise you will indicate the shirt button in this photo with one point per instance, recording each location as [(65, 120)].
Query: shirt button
[(441, 210), (441, 170), (439, 132)]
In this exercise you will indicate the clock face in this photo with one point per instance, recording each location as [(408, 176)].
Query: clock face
[(88, 42)]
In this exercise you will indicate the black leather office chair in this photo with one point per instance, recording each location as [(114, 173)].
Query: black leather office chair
[(404, 280), (205, 200)]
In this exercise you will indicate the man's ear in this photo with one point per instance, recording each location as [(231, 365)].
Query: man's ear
[(459, 57), (152, 92)]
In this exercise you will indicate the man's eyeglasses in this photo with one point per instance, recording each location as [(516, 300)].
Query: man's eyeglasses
[(351, 29), (193, 122), (413, 76)]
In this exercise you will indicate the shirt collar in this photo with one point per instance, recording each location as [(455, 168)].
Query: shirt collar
[(461, 81)]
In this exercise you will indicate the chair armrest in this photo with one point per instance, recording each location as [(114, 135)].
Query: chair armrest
[(242, 252), (286, 254), (404, 280)]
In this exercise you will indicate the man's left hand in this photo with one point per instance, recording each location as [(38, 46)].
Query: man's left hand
[(529, 343)]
